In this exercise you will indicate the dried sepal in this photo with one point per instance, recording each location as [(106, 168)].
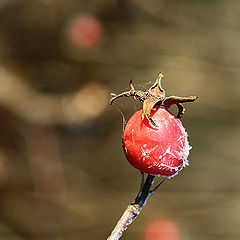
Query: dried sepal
[(147, 109), (154, 96), (181, 110)]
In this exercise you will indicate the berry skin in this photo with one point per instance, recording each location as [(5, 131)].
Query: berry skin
[(161, 150)]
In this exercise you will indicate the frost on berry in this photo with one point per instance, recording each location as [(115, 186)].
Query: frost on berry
[(154, 140), (181, 153), (161, 151)]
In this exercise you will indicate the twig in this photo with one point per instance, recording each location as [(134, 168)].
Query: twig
[(133, 210)]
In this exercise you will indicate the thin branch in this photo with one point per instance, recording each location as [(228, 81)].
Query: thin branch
[(133, 210), (127, 218)]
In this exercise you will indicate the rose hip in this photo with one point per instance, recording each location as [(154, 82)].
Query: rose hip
[(154, 140), (160, 151)]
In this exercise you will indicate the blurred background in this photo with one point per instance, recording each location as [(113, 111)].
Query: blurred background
[(63, 174)]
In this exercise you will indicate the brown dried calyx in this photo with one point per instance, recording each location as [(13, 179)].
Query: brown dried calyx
[(154, 96)]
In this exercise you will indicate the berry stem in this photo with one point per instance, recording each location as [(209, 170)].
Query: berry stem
[(144, 192), (133, 209)]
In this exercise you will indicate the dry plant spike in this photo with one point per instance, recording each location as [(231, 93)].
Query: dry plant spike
[(131, 85), (157, 88), (154, 96)]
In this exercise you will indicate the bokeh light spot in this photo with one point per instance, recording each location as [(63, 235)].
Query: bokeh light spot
[(161, 229), (85, 31)]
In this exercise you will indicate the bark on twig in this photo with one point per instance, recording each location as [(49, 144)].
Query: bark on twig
[(133, 210), (127, 218)]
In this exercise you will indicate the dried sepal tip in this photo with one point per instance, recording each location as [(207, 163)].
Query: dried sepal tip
[(154, 96)]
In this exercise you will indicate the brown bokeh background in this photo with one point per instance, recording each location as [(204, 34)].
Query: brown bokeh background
[(63, 174)]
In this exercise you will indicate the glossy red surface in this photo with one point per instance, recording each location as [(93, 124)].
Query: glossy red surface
[(159, 151)]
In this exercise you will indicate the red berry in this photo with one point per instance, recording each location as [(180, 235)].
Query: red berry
[(85, 32), (161, 150), (161, 229)]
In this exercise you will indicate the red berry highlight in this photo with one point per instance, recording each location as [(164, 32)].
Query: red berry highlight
[(161, 150)]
